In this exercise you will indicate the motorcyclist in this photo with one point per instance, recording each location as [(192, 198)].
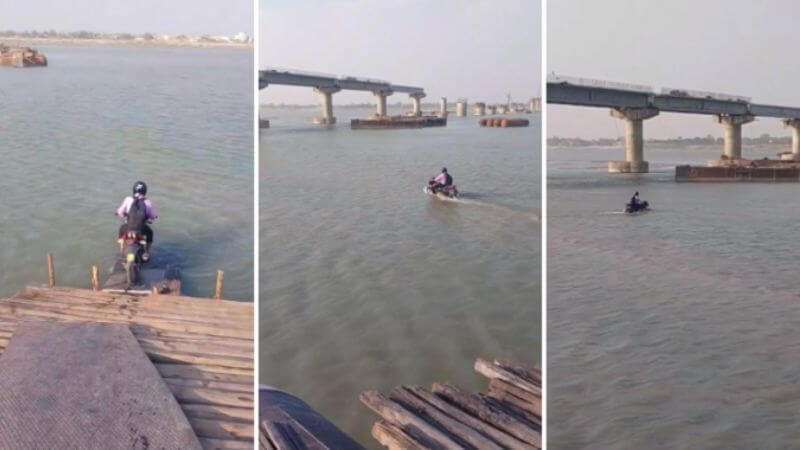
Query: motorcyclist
[(442, 180), (635, 202), (138, 211)]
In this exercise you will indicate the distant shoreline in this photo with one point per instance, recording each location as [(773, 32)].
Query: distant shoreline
[(155, 43)]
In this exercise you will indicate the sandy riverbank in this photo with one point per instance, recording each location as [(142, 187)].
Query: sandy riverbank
[(68, 42)]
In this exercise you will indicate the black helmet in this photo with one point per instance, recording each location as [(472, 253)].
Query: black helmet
[(139, 188), (444, 169), (637, 193)]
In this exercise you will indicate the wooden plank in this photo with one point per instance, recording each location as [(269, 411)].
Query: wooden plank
[(492, 371), (496, 434), (208, 384), (219, 429), (226, 413), (394, 438), (520, 397), (396, 414), (97, 366), (211, 396), (20, 310), (456, 429), (531, 420), (478, 408), (190, 372), (533, 374), (135, 313)]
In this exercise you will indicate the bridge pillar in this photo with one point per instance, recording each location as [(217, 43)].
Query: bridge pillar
[(634, 140), (381, 103), (794, 124), (732, 125), (327, 105), (443, 107), (415, 100)]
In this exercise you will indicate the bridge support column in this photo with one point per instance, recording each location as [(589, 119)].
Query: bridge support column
[(327, 105), (733, 133), (381, 103), (415, 101), (794, 124), (443, 107), (634, 140)]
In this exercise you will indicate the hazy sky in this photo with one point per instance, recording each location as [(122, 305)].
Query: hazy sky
[(746, 48), (214, 17), (479, 49)]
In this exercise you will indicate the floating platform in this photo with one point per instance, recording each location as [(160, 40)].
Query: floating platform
[(202, 349), (762, 173), (503, 122), (398, 122), (507, 416), (160, 280), (21, 57)]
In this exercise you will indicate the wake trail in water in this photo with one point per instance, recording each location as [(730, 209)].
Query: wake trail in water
[(465, 199)]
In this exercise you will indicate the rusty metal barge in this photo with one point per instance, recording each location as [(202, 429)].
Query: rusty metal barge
[(21, 57), (382, 123)]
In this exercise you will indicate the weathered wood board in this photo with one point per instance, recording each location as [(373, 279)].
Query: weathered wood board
[(85, 385)]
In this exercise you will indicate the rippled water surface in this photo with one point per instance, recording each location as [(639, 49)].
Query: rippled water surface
[(677, 328), (75, 136), (367, 283)]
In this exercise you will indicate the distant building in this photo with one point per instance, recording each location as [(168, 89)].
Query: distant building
[(242, 37)]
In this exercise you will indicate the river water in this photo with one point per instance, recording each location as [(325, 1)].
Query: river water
[(677, 328), (367, 283), (75, 136)]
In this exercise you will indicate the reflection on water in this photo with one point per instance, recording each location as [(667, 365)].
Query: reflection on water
[(368, 283), (75, 136), (681, 321)]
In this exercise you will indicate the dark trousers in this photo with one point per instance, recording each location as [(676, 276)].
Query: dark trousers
[(146, 231)]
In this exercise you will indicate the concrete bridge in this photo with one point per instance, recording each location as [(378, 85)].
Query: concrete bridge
[(636, 103), (327, 85)]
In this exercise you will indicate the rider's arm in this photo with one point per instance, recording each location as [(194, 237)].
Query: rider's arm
[(150, 210), (124, 207)]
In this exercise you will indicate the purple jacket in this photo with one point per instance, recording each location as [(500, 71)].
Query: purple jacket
[(123, 209)]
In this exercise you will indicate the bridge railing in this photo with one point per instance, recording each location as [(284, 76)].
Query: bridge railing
[(602, 84), (307, 73)]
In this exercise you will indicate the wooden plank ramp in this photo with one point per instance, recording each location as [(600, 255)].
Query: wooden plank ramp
[(202, 348), (507, 416)]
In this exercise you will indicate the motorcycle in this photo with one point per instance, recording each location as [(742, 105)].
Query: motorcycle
[(633, 209), (132, 246), (448, 192)]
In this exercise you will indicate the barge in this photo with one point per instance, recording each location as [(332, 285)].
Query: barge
[(503, 122), (760, 170), (382, 123), (21, 57)]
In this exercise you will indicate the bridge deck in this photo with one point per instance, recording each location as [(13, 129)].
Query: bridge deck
[(202, 348), (572, 94), (297, 78)]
